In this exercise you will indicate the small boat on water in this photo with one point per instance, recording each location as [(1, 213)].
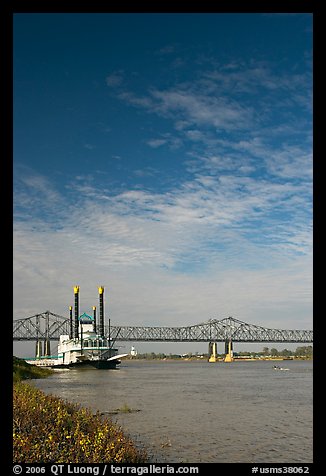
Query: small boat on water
[(277, 367)]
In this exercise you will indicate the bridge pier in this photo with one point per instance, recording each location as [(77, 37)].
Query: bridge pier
[(38, 349), (212, 352), (47, 348), (228, 351)]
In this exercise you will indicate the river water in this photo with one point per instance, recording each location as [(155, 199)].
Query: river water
[(200, 412)]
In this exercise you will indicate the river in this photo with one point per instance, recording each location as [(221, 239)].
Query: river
[(200, 412)]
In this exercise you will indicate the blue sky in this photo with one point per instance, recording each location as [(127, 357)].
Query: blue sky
[(167, 157)]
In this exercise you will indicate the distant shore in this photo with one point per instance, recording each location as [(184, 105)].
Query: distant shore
[(219, 359)]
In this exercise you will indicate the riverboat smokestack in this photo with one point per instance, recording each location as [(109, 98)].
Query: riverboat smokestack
[(70, 323), (101, 299), (76, 292), (94, 317)]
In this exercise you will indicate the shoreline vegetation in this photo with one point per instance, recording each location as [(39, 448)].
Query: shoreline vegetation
[(301, 353), (23, 371), (47, 428)]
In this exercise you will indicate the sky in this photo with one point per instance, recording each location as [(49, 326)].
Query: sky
[(168, 158)]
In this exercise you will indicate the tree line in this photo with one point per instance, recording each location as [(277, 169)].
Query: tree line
[(303, 351), (299, 352)]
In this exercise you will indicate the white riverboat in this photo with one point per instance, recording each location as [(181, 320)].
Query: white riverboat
[(84, 347)]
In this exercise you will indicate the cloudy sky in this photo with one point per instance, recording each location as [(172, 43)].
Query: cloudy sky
[(167, 157)]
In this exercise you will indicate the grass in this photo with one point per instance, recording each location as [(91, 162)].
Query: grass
[(126, 409), (22, 370), (47, 428)]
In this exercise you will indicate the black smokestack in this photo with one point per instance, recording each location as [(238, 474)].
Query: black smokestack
[(70, 323), (76, 291), (94, 317), (101, 299)]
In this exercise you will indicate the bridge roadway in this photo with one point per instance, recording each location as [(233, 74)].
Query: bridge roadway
[(49, 326)]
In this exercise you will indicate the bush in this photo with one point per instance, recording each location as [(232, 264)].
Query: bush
[(49, 429), (22, 370)]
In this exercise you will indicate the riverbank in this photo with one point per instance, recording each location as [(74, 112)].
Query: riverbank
[(22, 370), (49, 429)]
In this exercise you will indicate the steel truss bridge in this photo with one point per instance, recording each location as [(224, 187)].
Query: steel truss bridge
[(49, 326)]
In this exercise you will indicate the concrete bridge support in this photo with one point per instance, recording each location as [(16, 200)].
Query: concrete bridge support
[(47, 348), (228, 351), (212, 352), (38, 349)]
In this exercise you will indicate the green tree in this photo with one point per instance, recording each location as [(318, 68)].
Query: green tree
[(304, 351), (286, 353)]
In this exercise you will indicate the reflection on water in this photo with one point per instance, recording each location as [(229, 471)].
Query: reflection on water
[(196, 412)]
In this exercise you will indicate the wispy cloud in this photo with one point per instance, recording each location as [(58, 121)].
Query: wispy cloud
[(155, 143), (166, 50), (115, 78), (193, 109), (203, 109), (89, 146), (173, 142), (180, 257), (202, 213), (238, 224), (234, 96)]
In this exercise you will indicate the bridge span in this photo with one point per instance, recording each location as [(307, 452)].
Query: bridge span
[(48, 326), (215, 330)]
